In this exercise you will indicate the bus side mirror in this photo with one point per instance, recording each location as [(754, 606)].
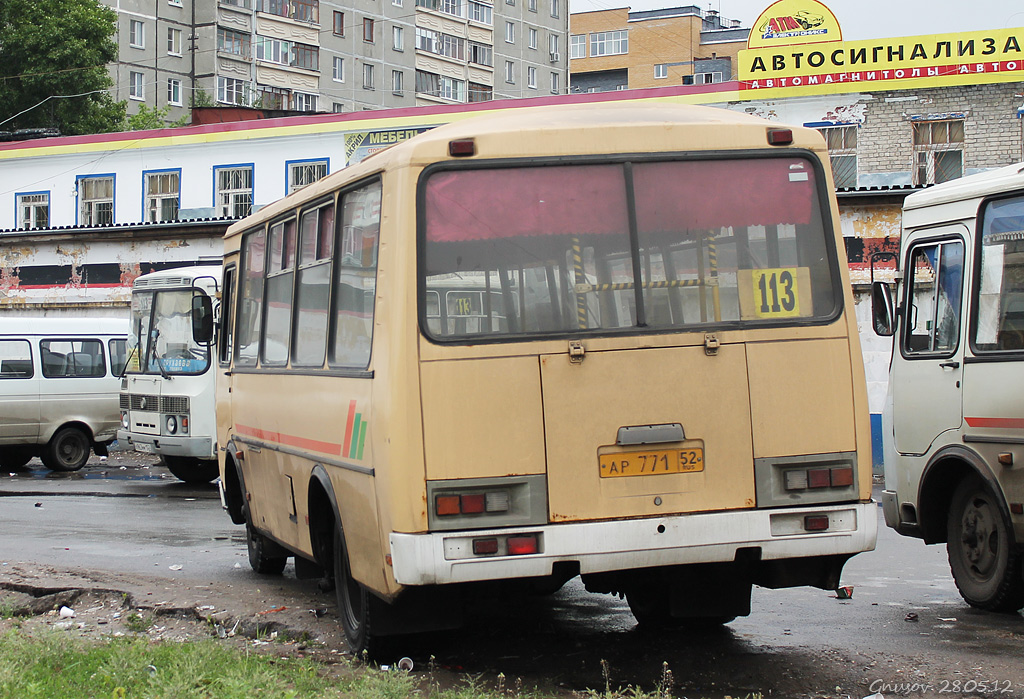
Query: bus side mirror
[(202, 319), (882, 315)]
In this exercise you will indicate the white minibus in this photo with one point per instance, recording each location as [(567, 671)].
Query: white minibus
[(59, 381)]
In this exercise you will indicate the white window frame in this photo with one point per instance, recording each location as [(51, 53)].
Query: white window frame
[(928, 151), (660, 71), (577, 46), (173, 41), (163, 195), (554, 83), (531, 77), (398, 38), (613, 43), (554, 8), (136, 86), (232, 87), (233, 190), (95, 200), (304, 101), (397, 82), (339, 69), (532, 38), (29, 207), (136, 33), (368, 77), (174, 91), (510, 72), (510, 32)]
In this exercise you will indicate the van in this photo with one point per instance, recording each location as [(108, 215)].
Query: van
[(59, 385)]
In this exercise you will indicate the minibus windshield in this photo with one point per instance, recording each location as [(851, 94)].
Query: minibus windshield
[(160, 338), (663, 245)]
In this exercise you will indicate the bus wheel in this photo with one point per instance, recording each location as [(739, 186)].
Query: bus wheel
[(353, 599), (985, 562), (15, 457), (651, 609), (67, 450), (261, 551), (189, 469)]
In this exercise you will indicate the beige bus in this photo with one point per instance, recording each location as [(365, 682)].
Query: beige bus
[(614, 341)]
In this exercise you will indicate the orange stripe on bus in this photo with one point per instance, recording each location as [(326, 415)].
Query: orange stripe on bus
[(290, 440), (1010, 423)]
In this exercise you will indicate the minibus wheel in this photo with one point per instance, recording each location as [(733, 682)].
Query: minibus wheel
[(67, 450), (15, 457), (261, 550), (984, 559), (353, 599), (189, 469)]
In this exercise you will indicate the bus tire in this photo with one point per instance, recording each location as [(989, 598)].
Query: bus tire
[(353, 599), (15, 457), (190, 469), (67, 450), (261, 551), (651, 609), (983, 557)]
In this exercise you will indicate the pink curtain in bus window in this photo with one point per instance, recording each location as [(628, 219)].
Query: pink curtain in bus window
[(476, 205), (710, 194)]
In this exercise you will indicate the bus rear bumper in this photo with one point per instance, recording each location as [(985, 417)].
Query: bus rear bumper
[(447, 557), (198, 447)]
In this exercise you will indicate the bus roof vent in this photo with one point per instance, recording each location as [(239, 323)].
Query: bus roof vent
[(163, 282)]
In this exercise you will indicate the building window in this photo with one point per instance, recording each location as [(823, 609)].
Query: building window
[(397, 82), (553, 46), (368, 30), (554, 8), (398, 38), (452, 89), (299, 10), (275, 97), (302, 174), (173, 41), (510, 32), (303, 102), (174, 91), (609, 43), (480, 93), (339, 23), (136, 88), (450, 7), (235, 43), (532, 5), (234, 191), (175, 3), (531, 78), (441, 44), (479, 12), (96, 200), (428, 83), (338, 108), (938, 151), (554, 83), (232, 91), (702, 78), (367, 76), (305, 56), (162, 195), (842, 151), (136, 34), (339, 69), (481, 54), (510, 72), (33, 210), (273, 50), (532, 40), (578, 46), (660, 70)]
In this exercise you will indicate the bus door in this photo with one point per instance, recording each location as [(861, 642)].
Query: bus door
[(927, 383)]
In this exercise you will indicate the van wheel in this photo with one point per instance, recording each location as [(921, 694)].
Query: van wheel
[(353, 599), (190, 469), (983, 557), (67, 450), (16, 457), (262, 550)]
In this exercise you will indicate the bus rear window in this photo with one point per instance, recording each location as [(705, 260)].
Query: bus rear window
[(656, 245)]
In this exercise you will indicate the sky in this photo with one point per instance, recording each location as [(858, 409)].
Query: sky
[(860, 19)]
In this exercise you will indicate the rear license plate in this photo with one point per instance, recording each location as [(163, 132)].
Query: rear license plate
[(144, 448), (653, 462)]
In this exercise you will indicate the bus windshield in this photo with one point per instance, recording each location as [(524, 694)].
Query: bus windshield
[(160, 338), (610, 247)]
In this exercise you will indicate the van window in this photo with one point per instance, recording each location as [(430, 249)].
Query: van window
[(80, 358), (1000, 325), (118, 356), (15, 360)]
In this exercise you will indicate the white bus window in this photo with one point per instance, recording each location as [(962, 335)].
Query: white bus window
[(160, 335), (1000, 314), (934, 288), (63, 358), (280, 272), (314, 283), (15, 360), (250, 311), (356, 278)]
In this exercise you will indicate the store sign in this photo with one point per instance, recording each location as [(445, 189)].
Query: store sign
[(794, 22)]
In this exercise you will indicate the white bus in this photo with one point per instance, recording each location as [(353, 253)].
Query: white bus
[(954, 418), (58, 389), (167, 396)]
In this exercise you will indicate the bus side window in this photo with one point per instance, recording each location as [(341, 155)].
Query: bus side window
[(227, 320), (934, 290)]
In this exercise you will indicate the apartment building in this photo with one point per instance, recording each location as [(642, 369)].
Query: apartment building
[(331, 56), (617, 49)]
